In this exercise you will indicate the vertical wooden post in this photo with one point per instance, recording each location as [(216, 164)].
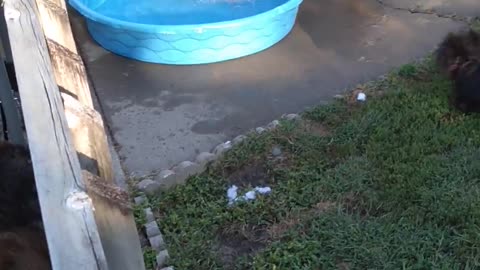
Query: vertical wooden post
[(117, 229), (71, 231)]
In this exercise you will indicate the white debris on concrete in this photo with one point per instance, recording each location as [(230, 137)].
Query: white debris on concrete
[(292, 117), (273, 125), (260, 130), (222, 148)]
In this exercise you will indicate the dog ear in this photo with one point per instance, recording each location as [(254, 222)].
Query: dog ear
[(454, 68)]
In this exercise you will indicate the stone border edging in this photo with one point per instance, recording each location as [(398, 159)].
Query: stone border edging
[(154, 236), (178, 175)]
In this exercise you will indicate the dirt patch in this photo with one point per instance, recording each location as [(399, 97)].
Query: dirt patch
[(277, 230), (316, 128), (451, 118), (238, 241), (355, 203), (343, 266), (256, 174)]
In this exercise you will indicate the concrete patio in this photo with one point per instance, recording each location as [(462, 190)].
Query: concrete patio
[(160, 115)]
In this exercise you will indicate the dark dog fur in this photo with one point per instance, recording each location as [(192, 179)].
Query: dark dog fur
[(24, 249), (458, 57), (22, 242), (18, 198), (467, 88)]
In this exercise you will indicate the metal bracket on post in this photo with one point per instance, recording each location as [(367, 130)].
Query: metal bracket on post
[(13, 120), (6, 51), (11, 112)]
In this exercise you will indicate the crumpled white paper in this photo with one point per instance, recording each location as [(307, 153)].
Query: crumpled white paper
[(232, 194), (361, 97)]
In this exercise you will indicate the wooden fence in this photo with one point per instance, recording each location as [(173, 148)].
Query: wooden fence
[(87, 220)]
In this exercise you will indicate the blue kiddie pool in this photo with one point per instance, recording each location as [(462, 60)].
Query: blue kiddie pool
[(185, 32)]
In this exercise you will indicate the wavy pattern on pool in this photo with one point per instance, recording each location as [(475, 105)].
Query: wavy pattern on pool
[(184, 32)]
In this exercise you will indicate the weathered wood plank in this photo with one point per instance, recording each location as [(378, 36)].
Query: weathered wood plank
[(117, 228), (68, 66), (54, 19), (87, 124), (72, 78), (70, 72), (115, 225), (67, 212)]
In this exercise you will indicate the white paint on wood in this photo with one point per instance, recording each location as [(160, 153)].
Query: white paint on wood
[(72, 235), (79, 200)]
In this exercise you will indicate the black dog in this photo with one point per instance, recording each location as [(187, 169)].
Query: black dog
[(18, 199), (467, 87), (458, 56), (23, 245)]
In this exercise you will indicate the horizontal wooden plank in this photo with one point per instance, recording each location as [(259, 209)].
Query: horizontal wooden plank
[(116, 227), (70, 72), (54, 18), (89, 136), (115, 224), (115, 221), (59, 3), (67, 212)]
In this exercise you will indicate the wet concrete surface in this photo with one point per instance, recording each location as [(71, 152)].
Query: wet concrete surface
[(161, 115), (462, 8)]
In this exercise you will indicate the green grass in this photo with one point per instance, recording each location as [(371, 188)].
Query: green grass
[(476, 24), (393, 183), (149, 256)]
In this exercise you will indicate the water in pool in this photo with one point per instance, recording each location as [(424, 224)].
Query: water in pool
[(177, 12)]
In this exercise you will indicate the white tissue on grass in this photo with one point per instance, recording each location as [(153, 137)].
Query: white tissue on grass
[(232, 194), (250, 195), (263, 190), (361, 97)]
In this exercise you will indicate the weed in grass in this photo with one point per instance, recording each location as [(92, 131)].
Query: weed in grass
[(149, 256), (139, 215), (407, 71)]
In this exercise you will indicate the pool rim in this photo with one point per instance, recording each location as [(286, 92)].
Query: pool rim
[(174, 28)]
